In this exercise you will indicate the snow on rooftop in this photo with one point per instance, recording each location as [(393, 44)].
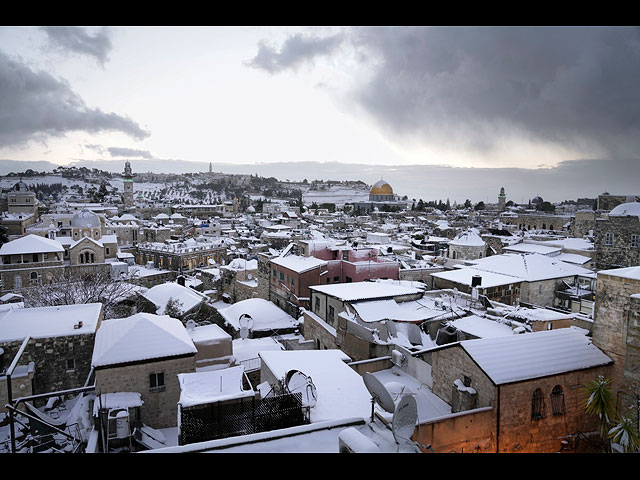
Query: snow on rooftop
[(117, 400), (142, 336), (242, 264), (201, 388), (464, 276), (31, 244), (533, 355), (366, 290), (208, 334), (468, 238), (46, 322), (341, 391), (532, 248), (266, 315), (160, 295), (529, 267), (298, 263), (625, 209), (389, 309), (482, 327), (625, 272), (249, 348)]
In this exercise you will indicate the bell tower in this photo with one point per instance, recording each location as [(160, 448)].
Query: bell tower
[(127, 195)]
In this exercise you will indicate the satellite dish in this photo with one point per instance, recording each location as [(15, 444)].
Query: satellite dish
[(249, 276), (414, 333), (405, 416), (391, 327), (246, 321), (191, 324), (379, 393), (298, 382)]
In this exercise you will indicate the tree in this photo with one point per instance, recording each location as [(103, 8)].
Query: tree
[(70, 287), (479, 206), (600, 402), (174, 308), (467, 203), (545, 207)]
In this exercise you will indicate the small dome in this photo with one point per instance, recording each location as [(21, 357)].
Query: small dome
[(381, 188), (625, 209), (85, 219), (20, 187)]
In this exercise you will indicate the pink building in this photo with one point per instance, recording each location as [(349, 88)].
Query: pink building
[(347, 264)]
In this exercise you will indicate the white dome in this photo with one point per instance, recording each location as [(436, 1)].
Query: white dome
[(85, 219), (469, 239), (624, 209)]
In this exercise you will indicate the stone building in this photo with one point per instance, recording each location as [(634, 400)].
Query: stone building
[(467, 245), (517, 393), (21, 200), (606, 201), (502, 198), (616, 328), (290, 280), (145, 353), (183, 256), (617, 237), (60, 346)]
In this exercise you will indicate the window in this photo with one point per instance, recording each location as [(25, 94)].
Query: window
[(557, 400), (331, 311), (71, 364), (281, 276), (156, 382), (293, 281), (537, 404), (335, 279), (274, 273), (317, 304), (608, 239), (635, 241)]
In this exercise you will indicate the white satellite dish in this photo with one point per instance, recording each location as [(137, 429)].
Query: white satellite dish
[(404, 420), (246, 324), (379, 393), (298, 382), (191, 324)]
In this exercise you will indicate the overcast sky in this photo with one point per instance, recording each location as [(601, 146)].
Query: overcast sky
[(460, 96)]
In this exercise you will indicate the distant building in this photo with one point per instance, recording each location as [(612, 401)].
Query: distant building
[(381, 197), (502, 198), (607, 202), (127, 194), (617, 237)]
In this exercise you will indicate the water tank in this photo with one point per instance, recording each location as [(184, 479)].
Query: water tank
[(122, 424), (150, 265)]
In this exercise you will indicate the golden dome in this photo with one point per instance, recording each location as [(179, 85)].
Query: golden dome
[(381, 188)]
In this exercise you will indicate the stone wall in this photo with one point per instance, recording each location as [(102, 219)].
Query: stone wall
[(616, 327), (541, 293), (620, 253), (50, 357), (160, 408)]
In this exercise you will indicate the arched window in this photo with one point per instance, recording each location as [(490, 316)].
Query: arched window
[(537, 404), (557, 400)]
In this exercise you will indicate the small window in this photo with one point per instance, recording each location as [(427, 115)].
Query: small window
[(71, 364), (557, 400), (281, 276), (537, 404), (635, 241), (331, 311), (608, 239), (293, 281), (317, 304), (156, 382)]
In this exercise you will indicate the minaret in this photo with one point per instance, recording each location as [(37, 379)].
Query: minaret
[(127, 195), (210, 168), (501, 200)]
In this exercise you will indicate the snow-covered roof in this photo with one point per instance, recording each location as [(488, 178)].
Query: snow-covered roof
[(241, 264), (389, 309), (625, 209), (208, 334), (298, 263), (31, 244), (625, 272), (365, 290), (482, 327), (201, 388), (117, 400), (266, 315), (46, 322), (522, 357), (529, 267), (468, 239), (532, 248), (143, 336), (340, 390), (465, 275), (160, 295)]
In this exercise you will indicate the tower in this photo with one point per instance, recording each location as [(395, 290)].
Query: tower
[(127, 195), (501, 200)]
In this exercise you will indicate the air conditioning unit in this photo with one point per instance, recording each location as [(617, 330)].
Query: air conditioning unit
[(397, 358)]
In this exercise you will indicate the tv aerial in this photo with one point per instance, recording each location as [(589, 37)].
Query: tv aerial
[(297, 382), (379, 394), (246, 324)]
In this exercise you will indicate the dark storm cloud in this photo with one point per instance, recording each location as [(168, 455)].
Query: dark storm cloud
[(295, 51), (81, 41), (35, 105), (129, 152), (570, 86)]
